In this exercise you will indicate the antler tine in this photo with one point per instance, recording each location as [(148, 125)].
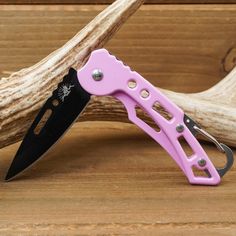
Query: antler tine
[(225, 90)]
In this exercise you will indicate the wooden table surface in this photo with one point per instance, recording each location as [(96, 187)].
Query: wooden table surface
[(110, 178)]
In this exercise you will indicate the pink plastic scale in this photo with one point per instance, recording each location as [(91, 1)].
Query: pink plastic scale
[(103, 75)]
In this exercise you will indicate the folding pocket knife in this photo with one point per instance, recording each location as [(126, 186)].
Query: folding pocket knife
[(103, 75)]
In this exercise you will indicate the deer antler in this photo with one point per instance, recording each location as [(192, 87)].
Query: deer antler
[(23, 93), (214, 109)]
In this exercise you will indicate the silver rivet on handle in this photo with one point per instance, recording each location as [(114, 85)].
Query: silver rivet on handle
[(179, 128), (97, 74), (202, 162)]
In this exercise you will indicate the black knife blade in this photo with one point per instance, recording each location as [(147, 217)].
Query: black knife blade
[(62, 109)]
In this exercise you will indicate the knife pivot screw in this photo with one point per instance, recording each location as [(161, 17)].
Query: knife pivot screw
[(179, 128), (202, 162), (97, 75)]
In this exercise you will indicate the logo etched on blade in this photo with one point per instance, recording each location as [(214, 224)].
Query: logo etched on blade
[(64, 91)]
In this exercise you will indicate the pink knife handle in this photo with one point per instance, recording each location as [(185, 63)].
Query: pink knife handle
[(115, 81)]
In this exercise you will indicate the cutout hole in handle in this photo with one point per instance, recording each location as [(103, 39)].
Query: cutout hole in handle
[(142, 115), (185, 146), (157, 107), (132, 84), (200, 173), (144, 93), (43, 121)]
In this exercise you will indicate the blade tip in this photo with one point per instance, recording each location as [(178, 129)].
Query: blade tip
[(8, 177)]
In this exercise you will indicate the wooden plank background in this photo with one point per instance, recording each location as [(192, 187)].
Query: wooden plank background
[(179, 47), (110, 1), (109, 178)]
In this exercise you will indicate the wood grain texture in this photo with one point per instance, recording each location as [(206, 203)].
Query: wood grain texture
[(181, 48), (111, 1), (137, 189), (208, 117), (129, 186), (108, 178)]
